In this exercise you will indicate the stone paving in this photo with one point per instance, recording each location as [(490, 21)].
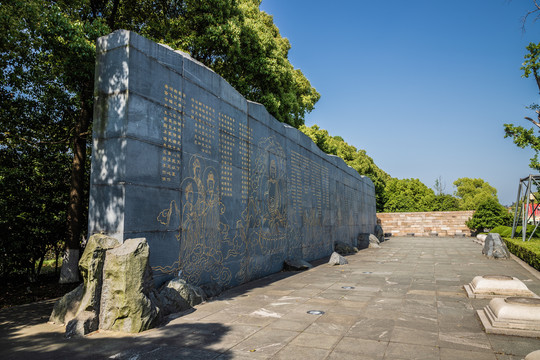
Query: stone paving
[(408, 302)]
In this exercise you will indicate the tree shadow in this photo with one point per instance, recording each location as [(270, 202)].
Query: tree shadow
[(24, 334)]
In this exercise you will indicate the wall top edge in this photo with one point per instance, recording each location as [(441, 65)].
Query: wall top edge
[(198, 73), (426, 212)]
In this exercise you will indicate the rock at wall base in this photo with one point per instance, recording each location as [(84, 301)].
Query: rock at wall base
[(91, 267), (379, 233), (337, 259), (373, 239), (374, 246), (363, 240), (344, 249), (296, 265), (211, 290), (86, 297), (495, 248), (84, 323), (177, 295), (125, 302), (67, 306)]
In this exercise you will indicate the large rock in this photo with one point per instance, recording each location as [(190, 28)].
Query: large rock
[(86, 297), (363, 240), (127, 288), (337, 259), (91, 267), (177, 295), (374, 239), (344, 249), (84, 323), (296, 265), (379, 233), (494, 247), (67, 307)]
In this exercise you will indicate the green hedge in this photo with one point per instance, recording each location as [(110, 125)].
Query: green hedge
[(528, 251), (506, 231)]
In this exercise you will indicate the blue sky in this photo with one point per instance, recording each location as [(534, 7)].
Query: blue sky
[(423, 86)]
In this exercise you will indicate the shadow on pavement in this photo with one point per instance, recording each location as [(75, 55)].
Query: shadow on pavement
[(25, 334)]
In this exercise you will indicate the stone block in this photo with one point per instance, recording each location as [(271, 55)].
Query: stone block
[(518, 316), (491, 286)]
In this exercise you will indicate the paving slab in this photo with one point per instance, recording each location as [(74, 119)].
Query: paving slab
[(402, 301)]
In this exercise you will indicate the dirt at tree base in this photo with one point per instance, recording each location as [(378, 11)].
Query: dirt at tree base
[(19, 291)]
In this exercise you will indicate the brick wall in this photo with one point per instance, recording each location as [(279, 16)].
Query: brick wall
[(442, 223)]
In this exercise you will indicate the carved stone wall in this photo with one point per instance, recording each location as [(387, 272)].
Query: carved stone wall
[(222, 191)]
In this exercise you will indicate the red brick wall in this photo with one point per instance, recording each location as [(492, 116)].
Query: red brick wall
[(444, 223)]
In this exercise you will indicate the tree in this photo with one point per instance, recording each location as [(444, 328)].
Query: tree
[(525, 137), (47, 56), (445, 202), (489, 215), (408, 195), (535, 11), (357, 159), (472, 192), (440, 186), (46, 92)]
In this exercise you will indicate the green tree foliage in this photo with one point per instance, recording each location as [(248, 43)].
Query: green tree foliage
[(242, 44), (525, 137), (445, 202), (45, 90), (488, 215), (47, 57), (357, 159), (408, 195), (472, 192)]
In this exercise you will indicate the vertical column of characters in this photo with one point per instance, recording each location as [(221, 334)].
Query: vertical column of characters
[(296, 182), (325, 186), (204, 122), (316, 186), (226, 148), (245, 137), (171, 125)]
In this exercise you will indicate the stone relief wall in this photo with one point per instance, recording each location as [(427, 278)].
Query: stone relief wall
[(222, 191)]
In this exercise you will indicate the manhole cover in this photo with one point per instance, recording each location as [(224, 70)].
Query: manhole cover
[(347, 287), (315, 312), (523, 301), (497, 277)]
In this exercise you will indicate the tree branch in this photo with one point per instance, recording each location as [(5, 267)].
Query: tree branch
[(533, 121), (112, 19), (524, 18)]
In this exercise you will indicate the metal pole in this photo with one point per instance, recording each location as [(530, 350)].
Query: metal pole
[(526, 212), (517, 209)]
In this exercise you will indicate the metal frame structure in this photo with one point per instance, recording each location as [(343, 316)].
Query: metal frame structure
[(525, 196)]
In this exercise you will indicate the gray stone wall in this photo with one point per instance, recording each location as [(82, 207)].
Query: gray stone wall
[(222, 191)]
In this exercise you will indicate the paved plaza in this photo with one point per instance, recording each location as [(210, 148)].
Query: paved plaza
[(402, 301)]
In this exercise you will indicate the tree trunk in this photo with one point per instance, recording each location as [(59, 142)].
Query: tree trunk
[(70, 271)]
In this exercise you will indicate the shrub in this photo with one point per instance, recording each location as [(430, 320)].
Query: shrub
[(506, 231), (528, 251), (489, 215)]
